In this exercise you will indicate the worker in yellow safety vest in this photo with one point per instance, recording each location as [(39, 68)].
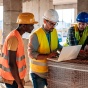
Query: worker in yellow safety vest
[(43, 44), (78, 33), (12, 63)]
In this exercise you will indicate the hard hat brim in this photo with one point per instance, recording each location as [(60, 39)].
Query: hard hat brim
[(35, 22), (50, 19)]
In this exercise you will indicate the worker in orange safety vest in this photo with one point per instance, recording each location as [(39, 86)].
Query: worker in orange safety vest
[(12, 63)]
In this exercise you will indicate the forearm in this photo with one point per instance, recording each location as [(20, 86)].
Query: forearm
[(60, 47), (37, 56), (45, 56), (15, 73), (71, 40), (42, 56), (13, 66), (85, 44)]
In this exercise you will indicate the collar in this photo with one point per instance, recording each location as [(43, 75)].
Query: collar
[(44, 29)]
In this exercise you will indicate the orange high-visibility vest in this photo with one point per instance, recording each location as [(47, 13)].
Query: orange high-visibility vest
[(40, 66), (20, 58)]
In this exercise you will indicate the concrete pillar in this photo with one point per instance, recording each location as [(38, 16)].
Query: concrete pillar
[(82, 5), (11, 10), (75, 14)]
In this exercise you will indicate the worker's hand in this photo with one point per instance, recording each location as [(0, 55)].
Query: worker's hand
[(20, 86), (53, 54), (23, 81), (82, 55), (86, 48)]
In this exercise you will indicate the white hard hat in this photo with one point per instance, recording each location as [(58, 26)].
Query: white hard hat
[(51, 15)]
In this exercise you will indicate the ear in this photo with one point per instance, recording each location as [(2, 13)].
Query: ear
[(23, 26), (44, 21)]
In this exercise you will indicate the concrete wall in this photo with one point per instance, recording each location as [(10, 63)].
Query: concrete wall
[(11, 10), (82, 5), (1, 2)]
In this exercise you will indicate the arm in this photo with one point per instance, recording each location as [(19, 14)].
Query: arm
[(12, 49), (59, 46), (85, 45), (14, 68), (71, 40)]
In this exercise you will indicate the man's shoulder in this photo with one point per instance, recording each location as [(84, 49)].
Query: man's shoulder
[(71, 29), (13, 38), (33, 36)]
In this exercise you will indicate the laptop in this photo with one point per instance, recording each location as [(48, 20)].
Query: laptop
[(67, 53)]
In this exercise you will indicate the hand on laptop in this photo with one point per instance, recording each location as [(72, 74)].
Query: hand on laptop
[(82, 55), (53, 55), (86, 48)]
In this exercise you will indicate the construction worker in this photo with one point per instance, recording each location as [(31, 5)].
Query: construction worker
[(43, 44), (13, 65), (78, 34)]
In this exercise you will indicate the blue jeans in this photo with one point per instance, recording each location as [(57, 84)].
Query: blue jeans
[(37, 81), (14, 85)]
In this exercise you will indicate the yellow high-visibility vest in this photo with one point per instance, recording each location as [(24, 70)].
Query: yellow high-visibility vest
[(40, 66)]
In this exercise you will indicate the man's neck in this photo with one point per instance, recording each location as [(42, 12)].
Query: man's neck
[(45, 29)]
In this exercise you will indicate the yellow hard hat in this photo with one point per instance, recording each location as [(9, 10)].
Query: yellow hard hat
[(26, 18)]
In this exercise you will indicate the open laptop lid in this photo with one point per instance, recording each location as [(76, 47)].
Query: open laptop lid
[(68, 53)]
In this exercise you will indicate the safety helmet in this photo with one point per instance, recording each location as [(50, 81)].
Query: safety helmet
[(86, 18), (82, 17), (26, 18), (51, 15)]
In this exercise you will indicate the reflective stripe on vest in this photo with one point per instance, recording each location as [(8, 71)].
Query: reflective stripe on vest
[(40, 66), (17, 59), (38, 63), (8, 70)]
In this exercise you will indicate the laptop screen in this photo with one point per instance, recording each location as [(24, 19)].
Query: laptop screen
[(68, 53)]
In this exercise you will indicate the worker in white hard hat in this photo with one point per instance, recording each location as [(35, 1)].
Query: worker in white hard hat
[(43, 44), (12, 63)]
